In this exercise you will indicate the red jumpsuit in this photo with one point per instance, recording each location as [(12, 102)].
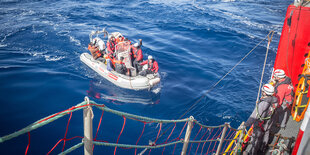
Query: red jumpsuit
[(137, 53), (284, 92), (151, 66)]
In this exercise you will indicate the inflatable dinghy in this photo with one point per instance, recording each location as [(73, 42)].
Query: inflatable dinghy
[(135, 82)]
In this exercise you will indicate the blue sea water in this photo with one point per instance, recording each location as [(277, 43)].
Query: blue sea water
[(194, 42)]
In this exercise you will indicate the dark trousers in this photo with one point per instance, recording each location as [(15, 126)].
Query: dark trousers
[(256, 140), (284, 114), (101, 59), (136, 64), (145, 72)]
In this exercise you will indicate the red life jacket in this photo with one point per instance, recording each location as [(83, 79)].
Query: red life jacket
[(153, 66), (111, 45), (288, 82), (137, 53)]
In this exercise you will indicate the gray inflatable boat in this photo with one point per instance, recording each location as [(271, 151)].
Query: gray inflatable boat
[(129, 82)]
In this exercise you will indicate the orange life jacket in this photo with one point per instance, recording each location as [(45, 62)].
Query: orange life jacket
[(111, 46), (119, 39), (97, 53), (118, 62)]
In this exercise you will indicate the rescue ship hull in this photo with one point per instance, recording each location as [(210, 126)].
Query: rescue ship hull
[(293, 57)]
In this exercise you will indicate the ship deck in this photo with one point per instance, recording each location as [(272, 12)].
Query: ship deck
[(289, 135)]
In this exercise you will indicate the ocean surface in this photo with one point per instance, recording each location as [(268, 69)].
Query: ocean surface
[(194, 42)]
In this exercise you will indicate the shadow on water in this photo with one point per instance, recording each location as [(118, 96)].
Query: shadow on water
[(103, 92)]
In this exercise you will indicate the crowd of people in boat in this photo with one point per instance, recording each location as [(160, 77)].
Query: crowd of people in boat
[(271, 113), (109, 56)]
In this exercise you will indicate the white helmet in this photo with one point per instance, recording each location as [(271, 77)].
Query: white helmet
[(135, 45), (268, 89), (150, 57), (279, 73)]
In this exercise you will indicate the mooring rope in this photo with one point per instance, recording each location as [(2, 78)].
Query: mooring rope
[(262, 76), (209, 90), (41, 123), (72, 148)]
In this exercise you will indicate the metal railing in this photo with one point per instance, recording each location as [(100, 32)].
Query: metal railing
[(88, 142)]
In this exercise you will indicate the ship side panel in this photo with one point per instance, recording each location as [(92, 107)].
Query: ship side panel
[(293, 42)]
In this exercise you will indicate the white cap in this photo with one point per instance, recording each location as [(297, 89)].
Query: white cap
[(135, 44), (150, 57), (279, 73), (268, 89)]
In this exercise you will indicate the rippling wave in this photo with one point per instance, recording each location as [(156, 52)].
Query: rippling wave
[(195, 42)]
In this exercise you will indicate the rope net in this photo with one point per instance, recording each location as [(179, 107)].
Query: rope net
[(203, 140)]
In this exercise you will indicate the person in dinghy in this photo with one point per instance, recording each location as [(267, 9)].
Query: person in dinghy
[(120, 67), (96, 49), (111, 47), (137, 56), (119, 55), (152, 66)]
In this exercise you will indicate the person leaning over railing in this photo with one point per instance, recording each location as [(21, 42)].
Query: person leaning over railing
[(261, 118)]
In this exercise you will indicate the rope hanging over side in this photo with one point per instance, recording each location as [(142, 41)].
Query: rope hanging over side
[(209, 90), (262, 76)]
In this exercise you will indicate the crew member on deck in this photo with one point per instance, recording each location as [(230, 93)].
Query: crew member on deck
[(137, 56), (285, 93), (260, 118), (152, 66)]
